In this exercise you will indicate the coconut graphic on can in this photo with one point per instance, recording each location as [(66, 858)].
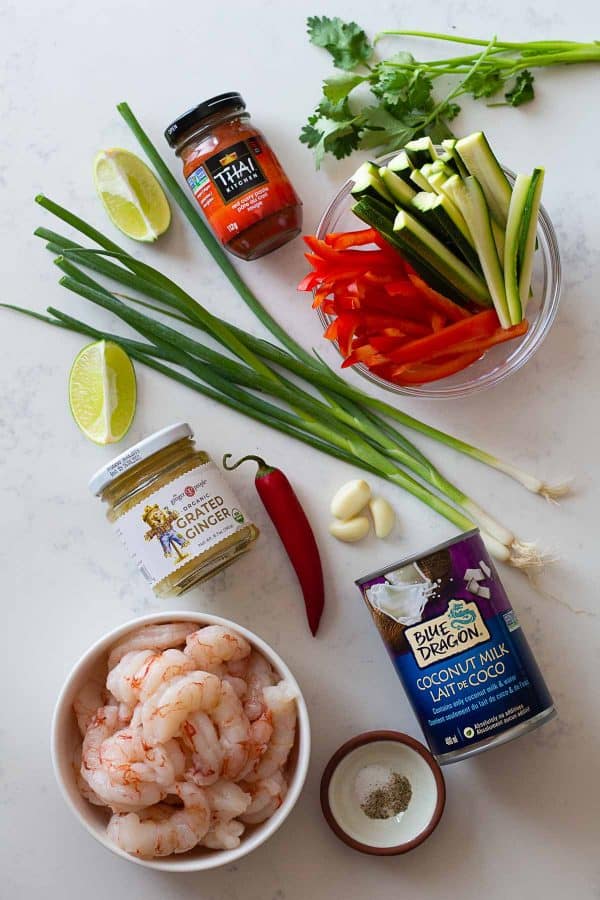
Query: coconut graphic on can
[(458, 647)]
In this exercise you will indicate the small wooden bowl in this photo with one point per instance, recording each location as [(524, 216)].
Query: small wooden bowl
[(424, 810)]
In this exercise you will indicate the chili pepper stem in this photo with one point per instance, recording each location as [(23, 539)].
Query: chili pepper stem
[(263, 468)]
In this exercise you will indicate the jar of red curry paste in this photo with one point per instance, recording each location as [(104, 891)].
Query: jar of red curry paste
[(235, 177)]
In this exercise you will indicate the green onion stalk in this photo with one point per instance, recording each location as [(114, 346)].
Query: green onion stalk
[(498, 537), (349, 426), (375, 443), (348, 412), (171, 346), (301, 363), (532, 483)]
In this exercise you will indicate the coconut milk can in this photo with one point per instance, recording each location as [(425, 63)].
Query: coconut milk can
[(458, 647)]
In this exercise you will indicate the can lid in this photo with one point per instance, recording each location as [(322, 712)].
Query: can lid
[(197, 113), (142, 450)]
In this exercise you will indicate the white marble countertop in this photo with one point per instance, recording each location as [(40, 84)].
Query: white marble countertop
[(521, 820)]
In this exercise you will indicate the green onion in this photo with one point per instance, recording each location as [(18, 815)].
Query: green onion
[(530, 482), (385, 438), (349, 425), (348, 414)]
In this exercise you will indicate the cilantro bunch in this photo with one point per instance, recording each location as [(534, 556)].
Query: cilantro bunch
[(399, 103)]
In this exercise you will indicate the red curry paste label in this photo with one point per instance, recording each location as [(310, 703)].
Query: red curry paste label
[(239, 186)]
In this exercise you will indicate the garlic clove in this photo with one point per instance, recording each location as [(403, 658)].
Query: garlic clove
[(350, 530), (350, 499), (384, 517)]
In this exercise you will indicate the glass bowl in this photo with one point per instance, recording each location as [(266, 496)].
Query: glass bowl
[(500, 361)]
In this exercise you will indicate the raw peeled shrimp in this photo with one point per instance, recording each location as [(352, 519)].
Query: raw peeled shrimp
[(267, 796), (238, 684), (213, 645), (151, 637), (119, 796), (234, 731), (164, 712), (128, 759), (227, 801), (122, 682), (84, 788), (224, 835), (237, 667), (164, 829), (260, 734), (281, 703), (186, 746), (259, 675), (140, 673), (199, 736), (87, 703)]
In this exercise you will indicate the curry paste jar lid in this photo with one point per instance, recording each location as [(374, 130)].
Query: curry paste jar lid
[(197, 113), (142, 450)]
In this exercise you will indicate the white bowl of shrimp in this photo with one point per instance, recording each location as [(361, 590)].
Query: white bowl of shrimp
[(181, 741)]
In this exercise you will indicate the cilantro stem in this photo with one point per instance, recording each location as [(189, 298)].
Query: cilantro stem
[(478, 42), (459, 89)]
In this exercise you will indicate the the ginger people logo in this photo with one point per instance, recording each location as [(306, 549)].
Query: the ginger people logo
[(237, 515), (160, 526), (459, 628)]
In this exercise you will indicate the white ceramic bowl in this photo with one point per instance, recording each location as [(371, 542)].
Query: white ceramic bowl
[(65, 738)]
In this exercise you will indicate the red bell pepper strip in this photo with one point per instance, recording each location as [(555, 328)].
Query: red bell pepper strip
[(404, 289), (426, 372), (366, 258), (438, 321), (481, 325), (482, 344), (383, 343), (289, 519), (374, 278), (342, 240), (366, 354), (444, 305), (376, 321), (309, 281), (343, 330)]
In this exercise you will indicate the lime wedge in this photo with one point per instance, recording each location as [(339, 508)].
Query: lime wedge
[(131, 195), (102, 392)]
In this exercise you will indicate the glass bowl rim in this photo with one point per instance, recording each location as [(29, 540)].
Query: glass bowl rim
[(530, 342)]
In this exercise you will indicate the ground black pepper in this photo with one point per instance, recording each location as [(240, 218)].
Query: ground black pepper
[(388, 800)]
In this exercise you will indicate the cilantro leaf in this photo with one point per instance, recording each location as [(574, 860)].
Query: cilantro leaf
[(404, 103), (346, 41), (310, 135), (332, 128), (384, 130), (450, 111), (402, 90), (483, 83), (522, 91), (338, 86)]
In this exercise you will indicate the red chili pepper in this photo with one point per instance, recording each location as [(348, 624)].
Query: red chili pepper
[(292, 526)]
